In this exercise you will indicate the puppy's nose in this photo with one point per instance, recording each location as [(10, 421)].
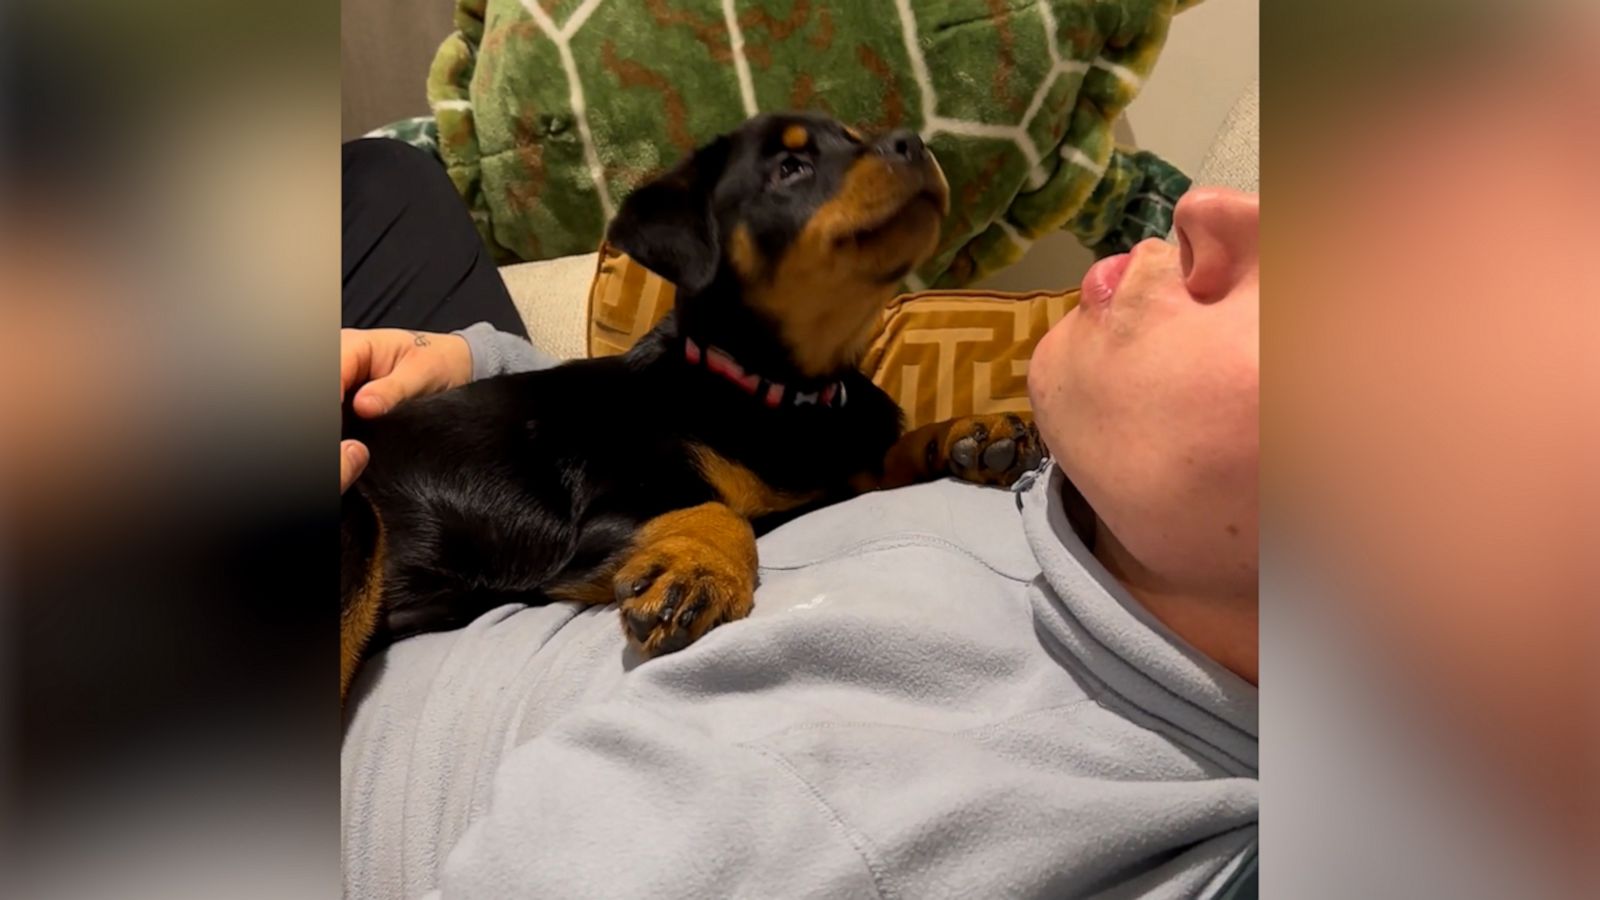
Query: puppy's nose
[(904, 144)]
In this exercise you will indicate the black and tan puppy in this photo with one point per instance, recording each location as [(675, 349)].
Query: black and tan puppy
[(644, 478)]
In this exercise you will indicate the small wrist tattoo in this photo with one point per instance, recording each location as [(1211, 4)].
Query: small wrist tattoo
[(419, 338)]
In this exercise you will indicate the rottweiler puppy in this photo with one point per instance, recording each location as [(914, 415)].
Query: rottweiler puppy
[(644, 479)]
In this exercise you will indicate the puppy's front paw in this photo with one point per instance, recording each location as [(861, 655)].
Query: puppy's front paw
[(675, 590), (994, 449)]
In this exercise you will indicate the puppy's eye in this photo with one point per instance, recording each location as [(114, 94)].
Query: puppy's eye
[(791, 170)]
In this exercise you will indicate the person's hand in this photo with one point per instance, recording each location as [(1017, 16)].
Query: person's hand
[(387, 365), (353, 457)]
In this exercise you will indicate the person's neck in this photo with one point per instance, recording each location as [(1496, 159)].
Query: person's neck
[(1222, 626)]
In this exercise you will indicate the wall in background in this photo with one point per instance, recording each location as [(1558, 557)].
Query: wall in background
[(385, 48), (1210, 58)]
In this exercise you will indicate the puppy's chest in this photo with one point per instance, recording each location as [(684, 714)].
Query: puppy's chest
[(764, 460), (787, 462)]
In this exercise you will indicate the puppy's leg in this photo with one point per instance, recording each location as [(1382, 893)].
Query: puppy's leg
[(687, 572), (992, 449)]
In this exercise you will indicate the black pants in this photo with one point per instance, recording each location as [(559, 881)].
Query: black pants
[(412, 258)]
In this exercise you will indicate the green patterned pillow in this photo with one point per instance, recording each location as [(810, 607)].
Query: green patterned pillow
[(420, 132), (550, 111)]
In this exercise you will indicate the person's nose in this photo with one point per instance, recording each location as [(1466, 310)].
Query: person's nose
[(1217, 232)]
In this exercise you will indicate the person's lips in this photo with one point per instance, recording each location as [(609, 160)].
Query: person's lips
[(1100, 282)]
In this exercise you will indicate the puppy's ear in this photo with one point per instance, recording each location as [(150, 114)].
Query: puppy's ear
[(667, 225)]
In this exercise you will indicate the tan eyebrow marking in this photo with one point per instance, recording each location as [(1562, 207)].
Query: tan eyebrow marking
[(795, 137), (854, 134)]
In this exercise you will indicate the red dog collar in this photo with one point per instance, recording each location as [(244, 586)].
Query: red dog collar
[(771, 393)]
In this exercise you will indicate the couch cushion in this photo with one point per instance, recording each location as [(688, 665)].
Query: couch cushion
[(1234, 159), (549, 296)]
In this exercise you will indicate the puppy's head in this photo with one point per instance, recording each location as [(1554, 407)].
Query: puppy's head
[(802, 220)]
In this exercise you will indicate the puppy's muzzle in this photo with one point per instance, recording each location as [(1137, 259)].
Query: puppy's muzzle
[(908, 157)]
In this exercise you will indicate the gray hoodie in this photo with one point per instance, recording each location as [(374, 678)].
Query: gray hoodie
[(940, 693)]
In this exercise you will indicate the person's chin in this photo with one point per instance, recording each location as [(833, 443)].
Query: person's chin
[(1047, 364), (1049, 390)]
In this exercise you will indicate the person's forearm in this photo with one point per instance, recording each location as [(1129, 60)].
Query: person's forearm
[(498, 353)]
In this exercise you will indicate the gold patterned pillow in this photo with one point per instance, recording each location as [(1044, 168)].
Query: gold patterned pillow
[(939, 354), (626, 300)]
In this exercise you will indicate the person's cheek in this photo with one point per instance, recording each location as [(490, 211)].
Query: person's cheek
[(1047, 373)]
